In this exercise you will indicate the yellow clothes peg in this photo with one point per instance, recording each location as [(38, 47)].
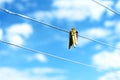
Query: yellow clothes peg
[(73, 36)]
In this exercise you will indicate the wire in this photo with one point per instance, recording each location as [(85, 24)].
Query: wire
[(61, 58), (17, 14), (106, 7), (102, 43), (111, 11), (60, 29), (54, 56)]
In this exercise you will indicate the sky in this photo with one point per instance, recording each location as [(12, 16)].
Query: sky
[(90, 20)]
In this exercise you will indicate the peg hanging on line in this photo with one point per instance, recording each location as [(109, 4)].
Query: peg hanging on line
[(73, 37)]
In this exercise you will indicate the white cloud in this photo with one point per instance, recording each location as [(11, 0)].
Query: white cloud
[(106, 60), (82, 42), (24, 7), (1, 33), (39, 57), (81, 9), (110, 14), (118, 5), (111, 76), (31, 74), (44, 15), (110, 23), (23, 29), (116, 26), (16, 39), (97, 32), (47, 70), (74, 10), (93, 33), (17, 32)]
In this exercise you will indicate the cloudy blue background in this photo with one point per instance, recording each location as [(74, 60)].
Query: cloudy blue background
[(90, 19)]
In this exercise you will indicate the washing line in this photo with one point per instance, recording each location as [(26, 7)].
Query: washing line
[(110, 9), (55, 27), (47, 54), (61, 58), (23, 16)]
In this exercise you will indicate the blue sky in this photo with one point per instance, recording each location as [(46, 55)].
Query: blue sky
[(90, 19)]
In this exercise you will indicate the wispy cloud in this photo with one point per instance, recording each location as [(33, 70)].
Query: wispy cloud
[(18, 32), (81, 9), (110, 23), (94, 33), (97, 32), (115, 24), (111, 76), (117, 6), (31, 74), (107, 60), (74, 10), (39, 57)]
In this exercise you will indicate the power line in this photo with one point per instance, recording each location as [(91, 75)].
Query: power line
[(47, 54), (106, 7), (57, 28)]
